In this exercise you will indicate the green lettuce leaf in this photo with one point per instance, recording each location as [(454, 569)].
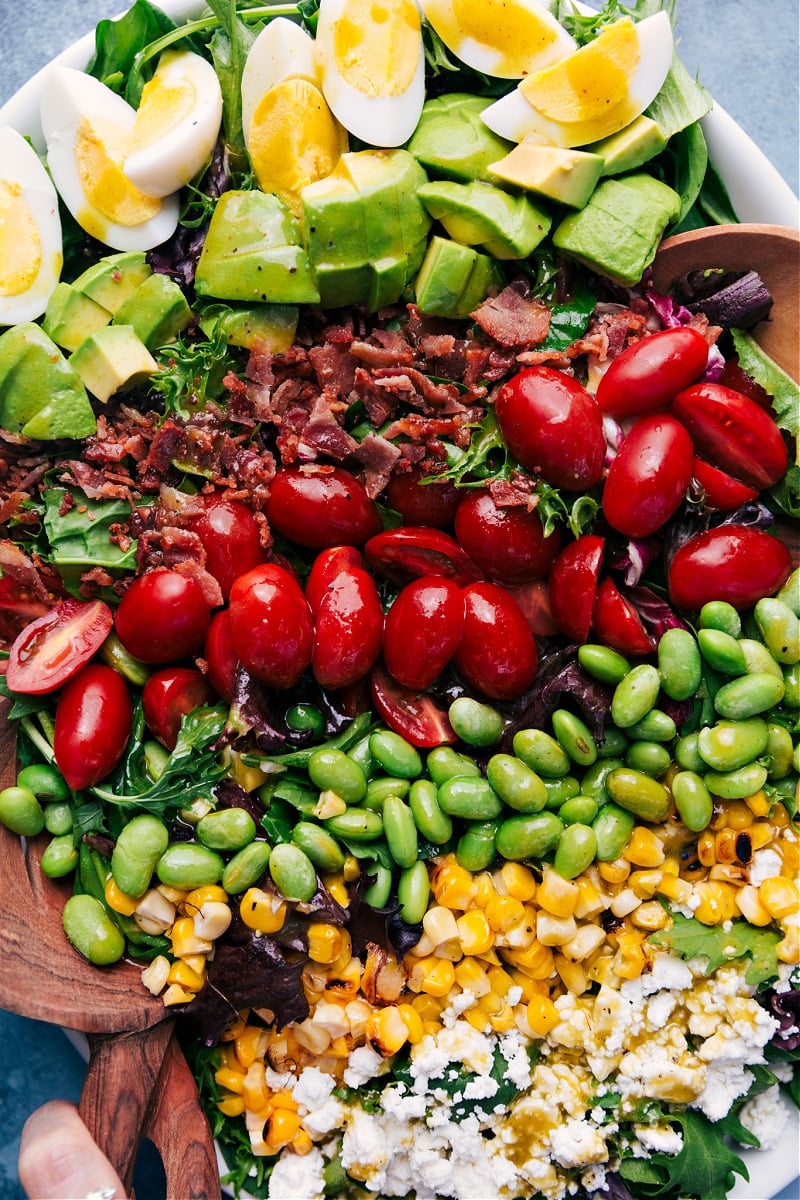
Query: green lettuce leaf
[(689, 939), (82, 534), (765, 371), (705, 1167)]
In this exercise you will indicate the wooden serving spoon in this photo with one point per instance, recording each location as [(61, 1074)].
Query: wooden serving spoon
[(138, 1082)]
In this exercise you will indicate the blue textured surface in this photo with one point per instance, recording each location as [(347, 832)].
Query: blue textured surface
[(746, 52)]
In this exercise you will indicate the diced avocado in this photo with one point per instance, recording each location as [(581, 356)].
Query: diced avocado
[(566, 176), (632, 146), (157, 310), (41, 395), (270, 325), (454, 279), (452, 140), (112, 280), (71, 316), (253, 252), (479, 214), (618, 232), (113, 360)]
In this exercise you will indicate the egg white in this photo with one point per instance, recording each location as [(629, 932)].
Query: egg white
[(87, 129), (503, 38), (282, 50), (30, 231)]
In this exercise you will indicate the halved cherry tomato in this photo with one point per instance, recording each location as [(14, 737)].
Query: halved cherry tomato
[(220, 655), (736, 563), (647, 480), (93, 722), (419, 503), (55, 646), (411, 551), (230, 536), (497, 654), (534, 601), (423, 630), (348, 629), (508, 544), (649, 373), (271, 628), (412, 713), (321, 506), (324, 569), (733, 433), (171, 694), (551, 424), (162, 616), (722, 491), (617, 624), (573, 585)]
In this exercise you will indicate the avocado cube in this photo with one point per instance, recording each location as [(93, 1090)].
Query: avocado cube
[(630, 147), (479, 214), (566, 176), (452, 141), (396, 224), (41, 395), (112, 280), (71, 316), (272, 326), (454, 279), (253, 252), (113, 360), (157, 310)]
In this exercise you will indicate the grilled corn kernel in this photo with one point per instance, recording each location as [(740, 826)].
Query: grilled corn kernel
[(674, 888), (504, 1020), (181, 973), (324, 942), (748, 901), (155, 974), (521, 933), (118, 900), (212, 919), (572, 974), (440, 925), (651, 916), (345, 982), (199, 896), (542, 1015), (588, 939), (645, 848), (388, 1030), (337, 887), (554, 931), (503, 911), (429, 1007), (536, 961), (717, 902), (630, 959), (283, 1125), (474, 932), (614, 872), (590, 900), (707, 848), (452, 885), (758, 804), (254, 1088), (312, 1036), (779, 896), (263, 912), (736, 814), (250, 1045), (434, 976), (302, 1143), (413, 1023), (557, 895), (788, 949), (185, 940), (231, 1106), (725, 845), (624, 903), (232, 1081), (645, 883), (761, 834), (519, 881), (485, 889), (471, 976)]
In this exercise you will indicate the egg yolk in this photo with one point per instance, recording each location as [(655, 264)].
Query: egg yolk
[(162, 107), (377, 44), (590, 82), (20, 243), (510, 28), (103, 181), (293, 139)]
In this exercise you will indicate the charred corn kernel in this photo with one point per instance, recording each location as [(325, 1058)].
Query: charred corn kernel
[(485, 889), (212, 919), (725, 845), (263, 912), (175, 895), (614, 872), (748, 901), (504, 1020), (503, 911), (501, 982), (155, 974), (434, 976), (758, 803), (490, 1004), (232, 1081), (181, 973), (345, 982), (333, 1017), (413, 1023), (477, 1019), (283, 1099), (522, 933), (542, 1015), (198, 962), (645, 883), (630, 959), (324, 942), (254, 1087), (423, 947), (674, 888), (154, 913), (357, 1013), (440, 925), (185, 940), (472, 977), (761, 834), (197, 897), (588, 939), (624, 902), (707, 848), (733, 873), (788, 949), (118, 900), (717, 902), (428, 1007), (590, 900), (519, 880), (232, 1031), (651, 916), (736, 814), (779, 896), (452, 885), (283, 1125), (536, 961), (571, 974), (312, 1036), (554, 931), (387, 1030), (345, 954), (557, 895), (250, 1045), (302, 1143), (337, 887), (474, 932), (645, 848), (231, 1106)]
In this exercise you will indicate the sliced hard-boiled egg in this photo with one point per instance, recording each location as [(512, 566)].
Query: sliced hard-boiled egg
[(177, 124), (503, 38), (373, 67), (594, 92), (291, 135), (88, 130), (30, 231)]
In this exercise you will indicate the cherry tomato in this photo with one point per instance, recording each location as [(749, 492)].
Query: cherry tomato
[(423, 630), (508, 544), (649, 373), (617, 623), (168, 696), (348, 629), (94, 717), (552, 424), (56, 645), (722, 490), (408, 552), (162, 616), (573, 585), (418, 503), (647, 480), (732, 562), (534, 600), (415, 715), (497, 655), (733, 433), (324, 569), (220, 655), (321, 506), (230, 536), (271, 628)]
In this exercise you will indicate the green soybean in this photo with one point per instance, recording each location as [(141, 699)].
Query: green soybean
[(138, 848), (45, 781), (749, 695), (20, 811), (612, 829), (635, 695), (377, 893), (156, 758), (189, 865), (228, 829), (59, 857), (58, 818), (719, 614), (306, 717), (614, 742), (574, 736), (395, 754), (413, 892), (721, 651), (593, 781), (434, 825), (534, 836), (680, 665), (381, 787), (579, 810), (515, 783), (655, 726), (576, 850), (559, 790), (758, 658), (357, 825), (446, 763), (692, 800), (470, 798), (360, 754), (780, 629), (321, 847), (791, 685), (650, 757), (789, 594), (114, 654), (542, 753), (475, 723), (736, 785), (603, 663), (330, 769), (687, 754), (292, 872), (779, 750), (641, 795), (477, 848), (91, 930), (400, 830), (731, 744), (247, 867)]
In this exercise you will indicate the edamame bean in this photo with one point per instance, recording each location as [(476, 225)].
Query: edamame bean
[(91, 930), (357, 825), (434, 825), (593, 783), (324, 851), (475, 723), (580, 810), (331, 770), (292, 872), (687, 755), (515, 783), (779, 750), (719, 614), (139, 847), (534, 836), (381, 787), (731, 744), (57, 818), (227, 829), (189, 865), (306, 717), (360, 754), (559, 790), (758, 658), (721, 651), (780, 629), (646, 798), (413, 892), (791, 685), (574, 736), (614, 742), (114, 654), (749, 695), (156, 758), (395, 754), (655, 726), (612, 828), (649, 757), (476, 848), (692, 800), (790, 592), (45, 781), (680, 666), (445, 763), (20, 811), (575, 851), (60, 856), (400, 830), (247, 867), (470, 798), (603, 663), (635, 695), (736, 785), (377, 893), (541, 752)]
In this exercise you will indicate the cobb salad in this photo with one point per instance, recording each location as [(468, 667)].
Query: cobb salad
[(403, 647)]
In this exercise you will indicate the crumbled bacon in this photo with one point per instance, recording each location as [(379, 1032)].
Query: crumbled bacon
[(514, 318)]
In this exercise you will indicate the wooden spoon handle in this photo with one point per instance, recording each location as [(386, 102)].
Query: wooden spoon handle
[(178, 1128)]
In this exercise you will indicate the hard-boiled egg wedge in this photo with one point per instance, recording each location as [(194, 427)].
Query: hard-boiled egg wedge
[(177, 124), (594, 92), (373, 67), (291, 134), (504, 38), (88, 129), (30, 231)]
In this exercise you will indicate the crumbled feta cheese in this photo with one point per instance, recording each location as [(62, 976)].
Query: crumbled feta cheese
[(363, 1064), (658, 1139), (313, 1087), (766, 1116), (365, 1151), (766, 864), (578, 1144), (298, 1177)]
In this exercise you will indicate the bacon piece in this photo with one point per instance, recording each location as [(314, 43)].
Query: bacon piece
[(514, 318)]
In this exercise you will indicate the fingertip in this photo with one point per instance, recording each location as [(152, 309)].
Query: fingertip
[(58, 1157)]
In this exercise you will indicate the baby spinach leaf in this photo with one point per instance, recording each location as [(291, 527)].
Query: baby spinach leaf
[(85, 533)]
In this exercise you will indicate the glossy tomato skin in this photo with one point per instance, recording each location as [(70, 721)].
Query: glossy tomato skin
[(230, 536), (733, 376), (551, 424), (534, 601), (412, 713), (271, 628), (649, 373), (648, 478), (573, 585), (170, 694), (348, 629), (423, 630), (409, 552), (733, 432), (497, 655), (56, 645), (617, 623), (324, 569), (93, 722), (432, 504), (508, 544), (321, 506), (220, 655), (732, 562), (722, 491), (163, 616)]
